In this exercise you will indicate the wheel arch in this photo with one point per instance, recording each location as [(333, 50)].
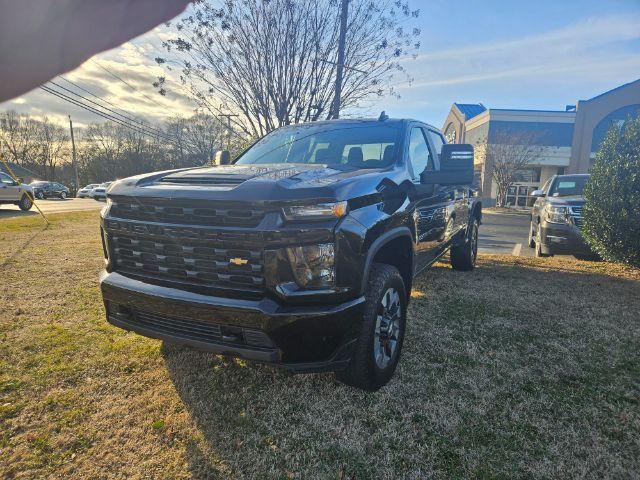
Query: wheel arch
[(395, 247)]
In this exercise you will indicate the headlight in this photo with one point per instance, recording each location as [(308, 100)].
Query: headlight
[(313, 265), (556, 214), (106, 208), (320, 211)]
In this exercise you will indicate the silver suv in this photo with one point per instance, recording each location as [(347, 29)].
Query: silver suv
[(15, 193)]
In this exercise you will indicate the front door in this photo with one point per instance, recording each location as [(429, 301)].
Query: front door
[(9, 191), (432, 212)]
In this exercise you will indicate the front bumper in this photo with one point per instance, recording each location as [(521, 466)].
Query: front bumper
[(303, 338), (563, 239)]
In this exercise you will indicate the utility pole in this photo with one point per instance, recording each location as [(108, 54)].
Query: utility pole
[(73, 155), (229, 130), (340, 66)]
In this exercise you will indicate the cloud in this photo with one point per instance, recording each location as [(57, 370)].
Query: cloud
[(122, 79), (584, 56)]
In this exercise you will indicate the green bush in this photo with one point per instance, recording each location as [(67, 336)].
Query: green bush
[(612, 211)]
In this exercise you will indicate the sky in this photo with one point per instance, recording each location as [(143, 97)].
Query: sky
[(539, 54)]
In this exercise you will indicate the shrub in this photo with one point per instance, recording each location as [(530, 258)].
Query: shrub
[(612, 211)]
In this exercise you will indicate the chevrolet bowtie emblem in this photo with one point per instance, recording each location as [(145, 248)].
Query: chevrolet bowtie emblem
[(238, 261)]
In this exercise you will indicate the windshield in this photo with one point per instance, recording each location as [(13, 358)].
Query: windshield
[(37, 184), (568, 185), (105, 185), (346, 145)]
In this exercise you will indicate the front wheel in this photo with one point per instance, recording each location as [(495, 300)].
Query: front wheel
[(532, 239), (40, 195), (463, 257), (63, 195), (25, 203), (378, 347), (540, 252)]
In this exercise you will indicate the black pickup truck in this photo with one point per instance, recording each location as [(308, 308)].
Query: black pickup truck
[(301, 253)]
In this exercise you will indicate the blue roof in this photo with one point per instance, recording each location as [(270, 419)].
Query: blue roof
[(470, 110)]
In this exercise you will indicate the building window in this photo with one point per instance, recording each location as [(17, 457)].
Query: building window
[(450, 133), (560, 170), (528, 175)]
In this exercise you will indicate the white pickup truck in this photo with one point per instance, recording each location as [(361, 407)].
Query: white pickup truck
[(15, 193)]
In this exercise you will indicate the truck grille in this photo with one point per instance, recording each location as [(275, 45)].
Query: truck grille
[(206, 213), (189, 263), (576, 215)]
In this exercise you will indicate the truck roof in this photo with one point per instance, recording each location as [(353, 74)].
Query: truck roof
[(397, 121)]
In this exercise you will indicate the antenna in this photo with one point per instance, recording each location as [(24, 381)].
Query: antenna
[(383, 116)]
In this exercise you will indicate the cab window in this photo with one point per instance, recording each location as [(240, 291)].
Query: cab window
[(419, 154), (6, 179), (437, 141)]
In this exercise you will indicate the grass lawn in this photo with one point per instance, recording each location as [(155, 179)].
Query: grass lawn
[(522, 368)]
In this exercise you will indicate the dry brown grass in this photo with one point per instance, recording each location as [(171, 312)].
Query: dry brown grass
[(522, 368)]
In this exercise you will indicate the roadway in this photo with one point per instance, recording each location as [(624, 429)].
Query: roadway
[(56, 205)]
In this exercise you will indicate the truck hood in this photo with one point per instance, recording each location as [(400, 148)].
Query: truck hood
[(277, 182), (571, 200)]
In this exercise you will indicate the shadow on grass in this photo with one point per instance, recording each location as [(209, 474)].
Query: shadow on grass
[(512, 370), (4, 213), (7, 261)]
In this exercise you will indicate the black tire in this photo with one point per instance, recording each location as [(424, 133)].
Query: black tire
[(532, 240), (63, 195), (40, 195), (364, 370), (25, 203), (540, 253), (463, 257)]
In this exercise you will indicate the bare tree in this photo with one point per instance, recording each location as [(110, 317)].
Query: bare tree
[(197, 138), (273, 62), (17, 137), (505, 155), (52, 147)]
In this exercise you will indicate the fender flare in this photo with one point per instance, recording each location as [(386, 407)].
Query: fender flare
[(380, 242)]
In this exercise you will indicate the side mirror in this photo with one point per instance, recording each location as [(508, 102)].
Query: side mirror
[(456, 166), (223, 157), (537, 193)]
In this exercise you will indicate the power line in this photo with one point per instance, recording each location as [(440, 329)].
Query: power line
[(98, 112), (80, 87), (117, 77), (126, 117)]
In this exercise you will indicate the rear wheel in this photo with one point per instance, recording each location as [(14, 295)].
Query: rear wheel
[(63, 195), (463, 257), (378, 347), (40, 195), (25, 203)]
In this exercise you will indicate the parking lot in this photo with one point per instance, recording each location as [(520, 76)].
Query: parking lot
[(505, 233)]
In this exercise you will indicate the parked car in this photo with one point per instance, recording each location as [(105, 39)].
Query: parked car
[(556, 218), (43, 189), (302, 253), (100, 192), (85, 192), (15, 193)]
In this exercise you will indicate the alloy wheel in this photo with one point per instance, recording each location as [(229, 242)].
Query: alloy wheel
[(474, 242), (387, 331)]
